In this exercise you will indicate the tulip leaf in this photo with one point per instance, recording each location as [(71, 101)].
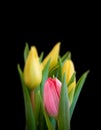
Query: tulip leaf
[(66, 56), (41, 56), (30, 121), (54, 69), (53, 122), (42, 122), (48, 122), (26, 51), (59, 75), (37, 105), (64, 114), (78, 89), (71, 87), (44, 77), (71, 79)]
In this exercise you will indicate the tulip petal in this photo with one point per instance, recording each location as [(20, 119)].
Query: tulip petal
[(52, 90), (53, 55), (68, 68), (32, 69), (51, 106)]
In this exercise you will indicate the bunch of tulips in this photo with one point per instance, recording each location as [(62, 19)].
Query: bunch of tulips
[(50, 88)]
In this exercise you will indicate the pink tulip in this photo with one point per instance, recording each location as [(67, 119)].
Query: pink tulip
[(52, 90)]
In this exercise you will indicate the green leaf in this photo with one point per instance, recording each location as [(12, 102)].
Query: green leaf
[(41, 57), (26, 51), (78, 89), (71, 90), (30, 121), (54, 70), (37, 105), (66, 56), (64, 114), (59, 75), (53, 122), (48, 122), (42, 122), (44, 77), (71, 80)]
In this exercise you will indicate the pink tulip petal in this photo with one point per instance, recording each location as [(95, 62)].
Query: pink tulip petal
[(48, 99), (52, 90)]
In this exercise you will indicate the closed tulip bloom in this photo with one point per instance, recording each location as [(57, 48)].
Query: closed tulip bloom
[(53, 56), (52, 90), (68, 68), (32, 69)]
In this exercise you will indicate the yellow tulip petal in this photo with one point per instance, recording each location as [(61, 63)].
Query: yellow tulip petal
[(53, 56), (68, 68), (32, 69)]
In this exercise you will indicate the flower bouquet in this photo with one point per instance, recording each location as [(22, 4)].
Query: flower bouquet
[(50, 89)]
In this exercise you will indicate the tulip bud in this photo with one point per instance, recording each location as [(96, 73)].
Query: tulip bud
[(52, 56), (32, 69), (52, 90), (68, 68)]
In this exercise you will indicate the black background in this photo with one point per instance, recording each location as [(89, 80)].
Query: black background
[(79, 32)]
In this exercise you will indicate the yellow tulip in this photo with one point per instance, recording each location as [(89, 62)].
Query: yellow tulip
[(53, 56), (32, 69), (68, 68)]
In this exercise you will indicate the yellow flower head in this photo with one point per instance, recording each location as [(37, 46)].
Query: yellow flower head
[(32, 69), (53, 56), (68, 68)]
